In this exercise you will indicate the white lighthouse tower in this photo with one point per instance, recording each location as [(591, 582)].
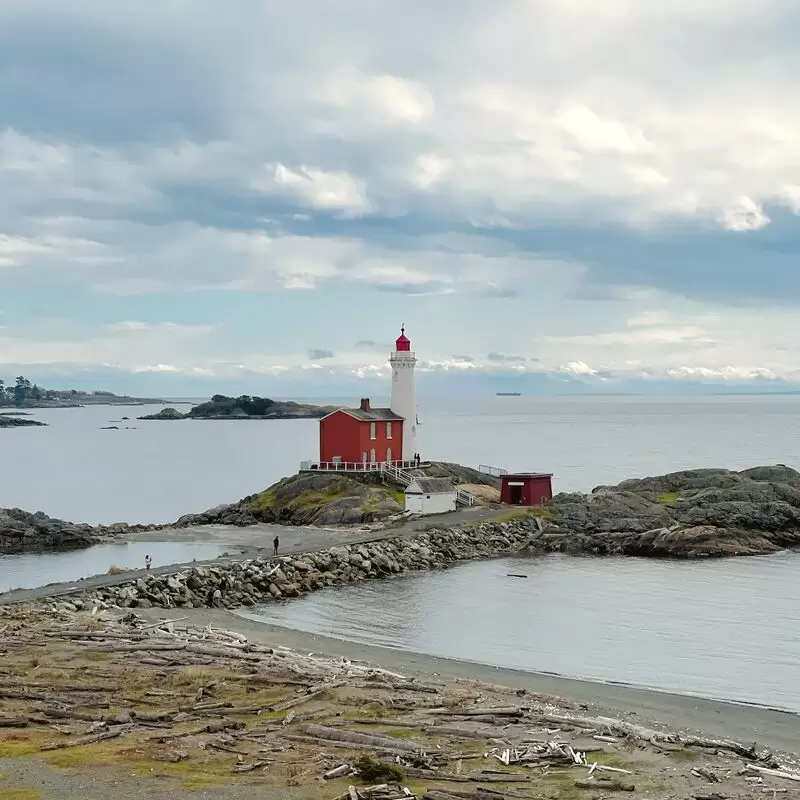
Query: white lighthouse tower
[(404, 392)]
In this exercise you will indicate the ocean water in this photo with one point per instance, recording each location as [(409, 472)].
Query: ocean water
[(159, 470), (721, 629), (29, 570)]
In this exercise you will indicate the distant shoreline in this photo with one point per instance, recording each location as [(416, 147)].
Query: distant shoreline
[(125, 402)]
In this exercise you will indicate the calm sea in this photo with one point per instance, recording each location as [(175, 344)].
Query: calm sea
[(722, 629), (74, 470)]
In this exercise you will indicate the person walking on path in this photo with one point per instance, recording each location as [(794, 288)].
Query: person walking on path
[(148, 562), (275, 544)]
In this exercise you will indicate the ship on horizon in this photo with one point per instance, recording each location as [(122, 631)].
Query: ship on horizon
[(508, 394)]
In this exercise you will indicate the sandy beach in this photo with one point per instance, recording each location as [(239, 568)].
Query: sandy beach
[(777, 730)]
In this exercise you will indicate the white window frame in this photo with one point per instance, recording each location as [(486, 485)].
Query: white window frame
[(389, 430), (373, 434)]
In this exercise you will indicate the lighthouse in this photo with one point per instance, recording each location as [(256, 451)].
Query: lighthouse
[(404, 392)]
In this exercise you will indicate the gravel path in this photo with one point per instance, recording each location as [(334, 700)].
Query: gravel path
[(29, 779), (251, 541)]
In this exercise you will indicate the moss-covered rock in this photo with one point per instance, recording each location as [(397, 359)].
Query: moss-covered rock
[(309, 499)]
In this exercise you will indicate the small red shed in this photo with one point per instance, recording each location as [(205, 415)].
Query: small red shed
[(526, 488), (351, 437)]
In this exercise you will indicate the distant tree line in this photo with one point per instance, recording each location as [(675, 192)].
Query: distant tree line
[(22, 391)]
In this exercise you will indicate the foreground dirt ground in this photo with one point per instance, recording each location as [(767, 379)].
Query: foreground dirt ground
[(100, 705)]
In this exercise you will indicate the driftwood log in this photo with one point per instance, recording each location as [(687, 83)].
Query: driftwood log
[(350, 737)]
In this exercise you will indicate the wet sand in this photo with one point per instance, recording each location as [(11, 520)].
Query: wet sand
[(776, 730)]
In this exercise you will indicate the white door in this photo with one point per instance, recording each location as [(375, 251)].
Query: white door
[(372, 455), (388, 453), (364, 458)]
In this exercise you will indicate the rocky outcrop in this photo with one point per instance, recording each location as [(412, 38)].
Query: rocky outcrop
[(24, 532), (688, 514), (323, 499), (21, 532), (309, 499), (19, 422), (459, 474), (165, 413), (249, 582)]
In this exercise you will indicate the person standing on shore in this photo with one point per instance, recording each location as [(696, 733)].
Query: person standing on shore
[(148, 562), (275, 545)]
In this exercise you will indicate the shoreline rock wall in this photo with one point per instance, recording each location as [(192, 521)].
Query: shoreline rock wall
[(246, 583)]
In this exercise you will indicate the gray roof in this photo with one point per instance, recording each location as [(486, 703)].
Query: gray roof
[(373, 415), (432, 486)]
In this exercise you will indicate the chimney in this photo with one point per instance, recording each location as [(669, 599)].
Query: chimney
[(364, 404)]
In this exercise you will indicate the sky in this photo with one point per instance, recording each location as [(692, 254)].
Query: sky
[(249, 196)]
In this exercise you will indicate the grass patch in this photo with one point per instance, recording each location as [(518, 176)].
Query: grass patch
[(18, 749), (515, 514), (381, 495), (263, 502), (560, 784), (196, 782), (683, 755), (396, 495), (668, 498), (19, 794), (610, 760), (310, 500), (96, 655), (115, 570)]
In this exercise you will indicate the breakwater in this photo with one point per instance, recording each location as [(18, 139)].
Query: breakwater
[(246, 583)]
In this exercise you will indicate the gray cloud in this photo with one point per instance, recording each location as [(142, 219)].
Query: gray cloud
[(230, 159), (320, 355)]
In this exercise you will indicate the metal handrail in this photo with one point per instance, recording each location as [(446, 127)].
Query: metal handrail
[(465, 497), (495, 472), (355, 466)]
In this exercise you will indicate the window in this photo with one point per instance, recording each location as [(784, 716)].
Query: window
[(388, 430), (372, 455), (372, 434)]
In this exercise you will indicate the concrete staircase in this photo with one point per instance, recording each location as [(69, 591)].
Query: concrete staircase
[(404, 478)]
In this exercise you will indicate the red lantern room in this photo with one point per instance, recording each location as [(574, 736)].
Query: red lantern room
[(402, 343)]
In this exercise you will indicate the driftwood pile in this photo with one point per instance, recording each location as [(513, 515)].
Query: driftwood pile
[(323, 711), (381, 791), (81, 712)]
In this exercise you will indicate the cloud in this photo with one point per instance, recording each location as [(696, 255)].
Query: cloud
[(320, 355), (320, 189), (357, 178)]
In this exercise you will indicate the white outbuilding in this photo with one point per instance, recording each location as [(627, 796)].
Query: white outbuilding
[(430, 496)]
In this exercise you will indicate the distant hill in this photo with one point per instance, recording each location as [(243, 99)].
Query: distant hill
[(24, 394), (245, 407)]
